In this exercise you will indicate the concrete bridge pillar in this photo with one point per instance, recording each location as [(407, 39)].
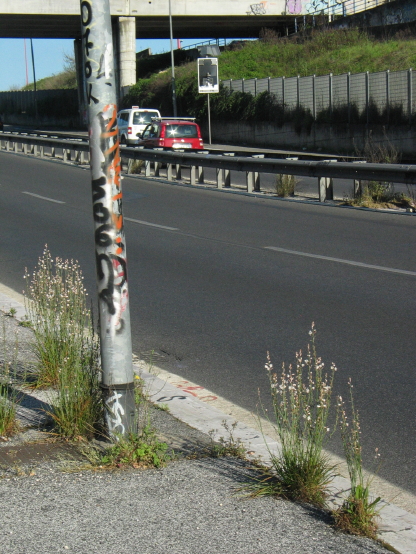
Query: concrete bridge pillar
[(127, 52), (79, 66)]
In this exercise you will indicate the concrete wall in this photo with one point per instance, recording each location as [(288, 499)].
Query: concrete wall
[(321, 138)]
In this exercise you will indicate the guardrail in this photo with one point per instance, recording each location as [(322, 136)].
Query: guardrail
[(324, 171)]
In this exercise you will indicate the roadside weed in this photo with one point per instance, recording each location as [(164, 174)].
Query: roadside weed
[(8, 421), (138, 450), (226, 446), (359, 511), (301, 399), (55, 301), (65, 345), (78, 409), (8, 396), (285, 185)]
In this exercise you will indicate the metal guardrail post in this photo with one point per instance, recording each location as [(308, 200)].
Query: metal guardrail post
[(146, 168), (158, 165), (193, 175), (326, 186), (41, 151), (358, 190), (250, 181), (201, 176), (200, 169), (256, 175), (157, 169), (169, 171), (220, 177), (227, 172)]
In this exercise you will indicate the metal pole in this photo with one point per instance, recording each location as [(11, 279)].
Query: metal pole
[(34, 81), (175, 111), (209, 120), (110, 244)]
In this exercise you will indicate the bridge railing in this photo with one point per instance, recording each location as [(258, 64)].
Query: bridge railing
[(77, 152)]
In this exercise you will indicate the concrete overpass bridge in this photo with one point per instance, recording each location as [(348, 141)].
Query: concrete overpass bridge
[(191, 18)]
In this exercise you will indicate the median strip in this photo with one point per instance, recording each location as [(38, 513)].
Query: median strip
[(341, 261)]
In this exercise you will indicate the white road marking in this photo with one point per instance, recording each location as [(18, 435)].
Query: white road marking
[(152, 224), (341, 261), (43, 197)]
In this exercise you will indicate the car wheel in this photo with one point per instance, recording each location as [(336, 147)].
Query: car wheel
[(122, 139)]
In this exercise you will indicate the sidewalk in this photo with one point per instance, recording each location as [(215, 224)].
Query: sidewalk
[(50, 504)]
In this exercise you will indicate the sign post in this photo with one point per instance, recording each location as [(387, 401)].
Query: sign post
[(110, 243), (208, 82)]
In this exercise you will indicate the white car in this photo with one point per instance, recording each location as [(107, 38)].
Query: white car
[(132, 122)]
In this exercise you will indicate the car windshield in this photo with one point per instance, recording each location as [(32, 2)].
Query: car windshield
[(181, 131), (142, 118)]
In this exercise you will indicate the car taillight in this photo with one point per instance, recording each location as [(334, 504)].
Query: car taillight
[(129, 131), (161, 142)]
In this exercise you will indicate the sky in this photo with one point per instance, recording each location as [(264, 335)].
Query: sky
[(49, 57)]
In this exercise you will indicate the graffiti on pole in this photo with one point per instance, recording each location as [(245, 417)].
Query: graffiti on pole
[(109, 233), (115, 422), (106, 183)]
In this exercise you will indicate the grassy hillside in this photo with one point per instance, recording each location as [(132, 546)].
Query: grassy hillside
[(322, 52), (65, 80)]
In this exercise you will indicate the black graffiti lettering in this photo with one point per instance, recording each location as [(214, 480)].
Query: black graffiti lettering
[(88, 45), (97, 188), (100, 258), (103, 236), (88, 70), (90, 96), (106, 294), (169, 398), (101, 213), (86, 10)]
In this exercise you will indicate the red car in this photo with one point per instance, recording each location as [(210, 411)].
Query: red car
[(172, 134)]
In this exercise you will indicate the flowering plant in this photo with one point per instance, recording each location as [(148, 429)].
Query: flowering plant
[(301, 399)]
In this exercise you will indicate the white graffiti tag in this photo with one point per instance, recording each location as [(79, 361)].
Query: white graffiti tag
[(114, 414)]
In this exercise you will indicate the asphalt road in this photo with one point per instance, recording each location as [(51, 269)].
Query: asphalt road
[(208, 297)]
